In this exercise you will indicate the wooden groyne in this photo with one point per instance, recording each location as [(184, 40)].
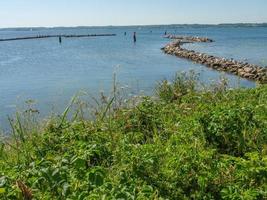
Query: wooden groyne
[(241, 69), (56, 36)]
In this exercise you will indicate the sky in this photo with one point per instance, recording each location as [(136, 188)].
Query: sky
[(50, 13)]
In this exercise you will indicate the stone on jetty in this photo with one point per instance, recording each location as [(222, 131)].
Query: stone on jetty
[(244, 70)]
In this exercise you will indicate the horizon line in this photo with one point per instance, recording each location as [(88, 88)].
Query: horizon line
[(140, 25)]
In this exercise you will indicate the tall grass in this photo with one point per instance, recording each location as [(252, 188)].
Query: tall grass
[(184, 143)]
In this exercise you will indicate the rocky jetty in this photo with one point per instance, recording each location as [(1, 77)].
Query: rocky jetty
[(189, 38), (242, 69)]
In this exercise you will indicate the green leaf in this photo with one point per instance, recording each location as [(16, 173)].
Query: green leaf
[(79, 163), (2, 190), (147, 189), (2, 181), (96, 178), (66, 189)]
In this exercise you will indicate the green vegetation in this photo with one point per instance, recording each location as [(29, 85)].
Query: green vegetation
[(184, 143)]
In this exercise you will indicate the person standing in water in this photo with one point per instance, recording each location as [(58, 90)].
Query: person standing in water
[(60, 39), (134, 37)]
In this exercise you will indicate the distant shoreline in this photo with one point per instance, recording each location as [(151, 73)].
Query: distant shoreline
[(141, 25)]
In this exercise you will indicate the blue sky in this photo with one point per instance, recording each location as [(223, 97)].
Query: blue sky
[(21, 13)]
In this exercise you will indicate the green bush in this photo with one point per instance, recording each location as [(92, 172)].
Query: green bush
[(234, 129), (186, 143)]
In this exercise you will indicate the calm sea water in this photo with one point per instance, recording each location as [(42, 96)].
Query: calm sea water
[(51, 74)]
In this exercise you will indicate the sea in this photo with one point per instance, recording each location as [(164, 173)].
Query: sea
[(50, 74)]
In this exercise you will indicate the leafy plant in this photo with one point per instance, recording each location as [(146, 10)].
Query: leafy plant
[(184, 143)]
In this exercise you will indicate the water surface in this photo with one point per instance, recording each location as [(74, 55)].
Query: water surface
[(51, 73)]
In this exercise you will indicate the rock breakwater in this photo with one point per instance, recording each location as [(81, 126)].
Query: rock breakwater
[(189, 38), (241, 69)]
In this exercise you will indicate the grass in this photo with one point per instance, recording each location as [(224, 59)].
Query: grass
[(183, 143)]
